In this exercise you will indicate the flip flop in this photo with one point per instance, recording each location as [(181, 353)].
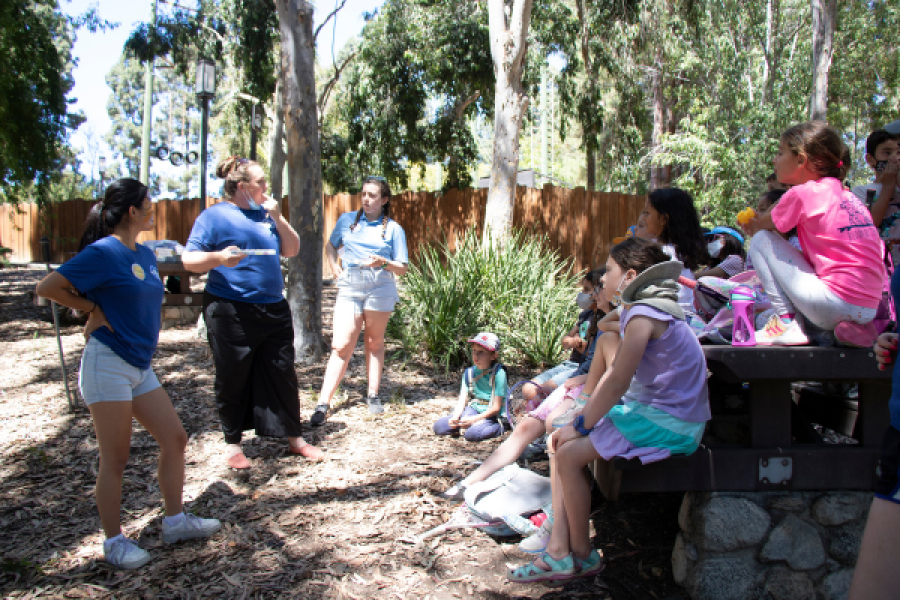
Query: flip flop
[(560, 570)]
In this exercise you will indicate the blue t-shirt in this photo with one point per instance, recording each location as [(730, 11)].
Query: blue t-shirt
[(366, 240), (588, 358), (256, 279), (894, 404), (126, 286)]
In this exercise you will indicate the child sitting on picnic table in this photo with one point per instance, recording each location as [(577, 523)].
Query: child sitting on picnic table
[(836, 282), (481, 396), (726, 247), (883, 156), (599, 356), (672, 220), (660, 352), (578, 340)]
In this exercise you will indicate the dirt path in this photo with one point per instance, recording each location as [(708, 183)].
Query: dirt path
[(290, 528)]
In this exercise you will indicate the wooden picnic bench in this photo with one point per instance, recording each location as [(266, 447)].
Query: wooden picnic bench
[(184, 297), (777, 453)]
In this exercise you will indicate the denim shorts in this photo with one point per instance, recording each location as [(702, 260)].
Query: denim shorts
[(558, 374), (365, 289), (106, 377)]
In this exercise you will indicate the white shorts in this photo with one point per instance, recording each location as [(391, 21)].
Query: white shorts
[(363, 288), (106, 377)]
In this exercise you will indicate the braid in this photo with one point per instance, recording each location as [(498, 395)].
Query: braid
[(356, 222), (385, 217)]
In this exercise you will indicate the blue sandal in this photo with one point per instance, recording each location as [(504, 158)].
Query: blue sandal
[(563, 569), (589, 566)]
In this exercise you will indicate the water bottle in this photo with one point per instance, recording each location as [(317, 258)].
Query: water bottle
[(744, 332)]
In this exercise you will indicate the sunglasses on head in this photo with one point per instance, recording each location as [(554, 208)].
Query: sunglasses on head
[(376, 178)]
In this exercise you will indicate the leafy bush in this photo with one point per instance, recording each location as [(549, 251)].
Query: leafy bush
[(523, 292)]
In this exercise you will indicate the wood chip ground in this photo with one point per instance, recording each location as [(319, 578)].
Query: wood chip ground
[(291, 529)]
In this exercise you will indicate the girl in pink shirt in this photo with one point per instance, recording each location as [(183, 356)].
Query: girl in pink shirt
[(836, 282)]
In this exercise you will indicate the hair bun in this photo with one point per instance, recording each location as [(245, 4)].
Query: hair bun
[(225, 167)]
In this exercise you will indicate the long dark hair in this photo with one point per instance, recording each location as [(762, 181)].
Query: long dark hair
[(385, 190), (106, 215), (682, 228)]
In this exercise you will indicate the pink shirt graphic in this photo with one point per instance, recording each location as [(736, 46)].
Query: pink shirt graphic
[(838, 238)]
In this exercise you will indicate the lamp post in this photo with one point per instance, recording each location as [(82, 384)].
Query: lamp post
[(101, 168), (205, 88)]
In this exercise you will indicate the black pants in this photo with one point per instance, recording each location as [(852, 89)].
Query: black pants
[(253, 350)]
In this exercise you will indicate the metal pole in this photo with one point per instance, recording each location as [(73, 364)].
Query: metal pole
[(253, 143), (148, 113), (45, 255), (203, 131)]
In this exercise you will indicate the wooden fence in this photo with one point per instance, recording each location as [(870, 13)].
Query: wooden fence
[(578, 223)]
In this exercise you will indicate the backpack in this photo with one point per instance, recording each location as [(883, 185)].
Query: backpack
[(511, 491)]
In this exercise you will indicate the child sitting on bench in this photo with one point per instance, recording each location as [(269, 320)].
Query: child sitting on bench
[(660, 352)]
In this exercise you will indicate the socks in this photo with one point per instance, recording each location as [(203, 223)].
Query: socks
[(174, 520)]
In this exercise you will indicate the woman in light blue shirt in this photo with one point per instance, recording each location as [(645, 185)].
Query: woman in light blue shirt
[(372, 249)]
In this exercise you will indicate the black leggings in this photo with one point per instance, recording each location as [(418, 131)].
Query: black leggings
[(253, 350)]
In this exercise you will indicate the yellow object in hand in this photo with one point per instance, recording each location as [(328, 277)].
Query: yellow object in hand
[(745, 215)]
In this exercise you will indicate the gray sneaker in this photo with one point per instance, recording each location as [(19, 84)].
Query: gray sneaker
[(123, 553), (190, 527), (375, 406)]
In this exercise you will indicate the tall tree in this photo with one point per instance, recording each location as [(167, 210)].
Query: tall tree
[(509, 21), (36, 42), (824, 15), (301, 125)]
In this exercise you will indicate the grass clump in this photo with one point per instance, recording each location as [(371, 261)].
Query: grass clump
[(522, 291)]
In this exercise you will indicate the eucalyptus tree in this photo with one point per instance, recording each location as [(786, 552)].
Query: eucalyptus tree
[(509, 22), (421, 69), (36, 41)]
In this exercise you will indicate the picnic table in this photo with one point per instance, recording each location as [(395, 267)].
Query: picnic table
[(172, 266), (778, 454)]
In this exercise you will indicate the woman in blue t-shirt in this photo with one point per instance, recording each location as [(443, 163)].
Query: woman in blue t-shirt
[(248, 320), (372, 249), (114, 280)]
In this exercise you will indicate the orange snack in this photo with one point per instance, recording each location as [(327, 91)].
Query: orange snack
[(745, 215)]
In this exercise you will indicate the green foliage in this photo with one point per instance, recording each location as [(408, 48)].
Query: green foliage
[(36, 40), (422, 68), (522, 291)]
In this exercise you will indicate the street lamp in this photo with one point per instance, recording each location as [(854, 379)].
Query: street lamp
[(205, 88), (101, 168)]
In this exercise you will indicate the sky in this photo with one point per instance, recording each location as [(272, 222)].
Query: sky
[(96, 54)]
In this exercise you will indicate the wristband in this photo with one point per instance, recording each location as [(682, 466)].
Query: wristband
[(578, 424)]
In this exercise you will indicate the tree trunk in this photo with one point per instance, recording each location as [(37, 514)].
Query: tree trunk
[(824, 15), (508, 48), (276, 142), (657, 97), (304, 287), (591, 168)]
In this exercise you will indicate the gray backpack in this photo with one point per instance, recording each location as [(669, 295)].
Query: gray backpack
[(511, 491)]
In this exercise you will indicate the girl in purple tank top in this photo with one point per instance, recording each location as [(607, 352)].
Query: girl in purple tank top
[(661, 354)]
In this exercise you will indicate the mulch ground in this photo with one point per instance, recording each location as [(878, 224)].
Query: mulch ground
[(290, 528)]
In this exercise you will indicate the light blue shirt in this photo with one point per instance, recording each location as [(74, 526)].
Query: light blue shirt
[(366, 240)]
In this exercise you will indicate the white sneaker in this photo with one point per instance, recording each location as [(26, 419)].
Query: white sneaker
[(123, 553), (537, 541), (190, 527), (778, 333)]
